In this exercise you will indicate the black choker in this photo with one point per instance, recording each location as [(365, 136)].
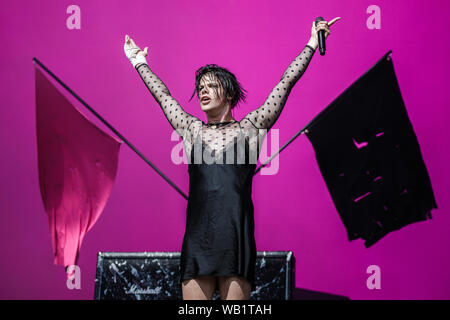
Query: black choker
[(219, 124)]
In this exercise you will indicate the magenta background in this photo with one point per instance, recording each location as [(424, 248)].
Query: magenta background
[(256, 40)]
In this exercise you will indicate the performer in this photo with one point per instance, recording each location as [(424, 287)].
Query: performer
[(219, 245)]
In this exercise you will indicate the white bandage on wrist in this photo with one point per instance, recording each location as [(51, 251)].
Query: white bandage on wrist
[(131, 53), (139, 59)]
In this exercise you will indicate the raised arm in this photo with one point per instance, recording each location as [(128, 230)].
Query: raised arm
[(177, 117), (266, 115)]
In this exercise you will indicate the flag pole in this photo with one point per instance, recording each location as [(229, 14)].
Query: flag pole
[(304, 130), (35, 60), (387, 55)]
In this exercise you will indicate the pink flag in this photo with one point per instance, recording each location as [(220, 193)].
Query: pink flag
[(77, 166)]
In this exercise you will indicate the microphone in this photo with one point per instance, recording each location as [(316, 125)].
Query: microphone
[(321, 37)]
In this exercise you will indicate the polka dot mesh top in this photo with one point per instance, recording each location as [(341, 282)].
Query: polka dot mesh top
[(254, 125)]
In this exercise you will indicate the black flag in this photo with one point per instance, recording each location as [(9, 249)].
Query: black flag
[(370, 158)]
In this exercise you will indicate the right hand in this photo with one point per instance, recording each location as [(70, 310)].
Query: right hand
[(133, 52), (322, 25)]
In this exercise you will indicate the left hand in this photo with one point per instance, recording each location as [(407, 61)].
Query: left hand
[(133, 52), (322, 25)]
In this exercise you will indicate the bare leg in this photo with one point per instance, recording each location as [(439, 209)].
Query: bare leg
[(199, 288), (234, 288)]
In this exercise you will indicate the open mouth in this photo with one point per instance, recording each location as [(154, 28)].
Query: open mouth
[(206, 100)]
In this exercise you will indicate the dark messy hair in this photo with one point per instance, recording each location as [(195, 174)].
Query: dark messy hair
[(231, 87)]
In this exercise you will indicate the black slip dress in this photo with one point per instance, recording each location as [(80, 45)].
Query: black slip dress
[(219, 237)]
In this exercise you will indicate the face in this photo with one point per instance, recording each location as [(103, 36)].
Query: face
[(210, 87)]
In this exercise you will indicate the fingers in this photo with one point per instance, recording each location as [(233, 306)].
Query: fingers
[(333, 21), (129, 41), (323, 26), (320, 23), (329, 24)]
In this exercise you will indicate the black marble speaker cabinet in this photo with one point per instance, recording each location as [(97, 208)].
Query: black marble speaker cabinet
[(154, 276)]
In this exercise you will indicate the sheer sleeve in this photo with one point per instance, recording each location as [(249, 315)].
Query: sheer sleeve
[(266, 115), (177, 117)]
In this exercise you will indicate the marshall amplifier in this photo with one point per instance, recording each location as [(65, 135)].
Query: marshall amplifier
[(155, 275)]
